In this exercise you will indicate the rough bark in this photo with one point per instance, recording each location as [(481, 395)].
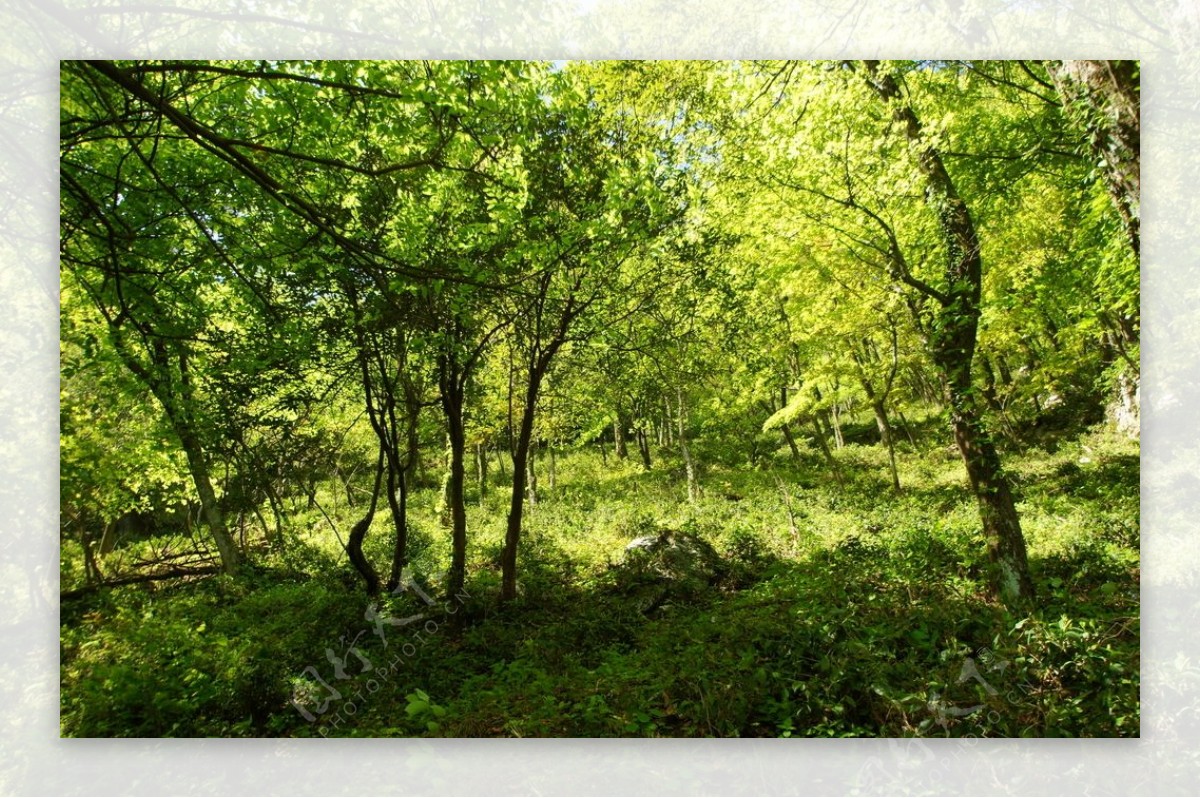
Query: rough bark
[(953, 343), (1105, 98)]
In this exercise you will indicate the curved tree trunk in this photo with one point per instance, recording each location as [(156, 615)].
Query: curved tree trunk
[(359, 532), (953, 347)]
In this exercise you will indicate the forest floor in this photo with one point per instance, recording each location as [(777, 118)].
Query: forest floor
[(861, 612)]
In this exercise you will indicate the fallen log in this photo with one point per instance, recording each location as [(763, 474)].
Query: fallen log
[(171, 573)]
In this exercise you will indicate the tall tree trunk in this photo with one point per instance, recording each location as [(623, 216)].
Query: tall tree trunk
[(887, 439), (452, 381), (538, 366), (953, 344), (179, 408), (516, 507), (211, 510)]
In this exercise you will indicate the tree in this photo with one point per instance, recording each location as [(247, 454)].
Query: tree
[(953, 336), (873, 182), (597, 195), (1105, 98)]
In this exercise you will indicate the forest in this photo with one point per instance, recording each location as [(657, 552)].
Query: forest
[(599, 398)]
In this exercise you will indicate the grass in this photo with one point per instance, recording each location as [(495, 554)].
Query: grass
[(872, 619)]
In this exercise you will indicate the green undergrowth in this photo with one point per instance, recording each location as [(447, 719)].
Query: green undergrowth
[(840, 609)]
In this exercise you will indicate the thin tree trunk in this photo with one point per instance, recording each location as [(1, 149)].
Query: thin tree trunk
[(690, 468), (531, 477), (398, 501), (359, 532), (520, 458), (787, 504), (91, 569), (907, 427), (619, 427), (481, 471), (538, 366), (452, 381), (208, 503), (643, 447), (819, 434), (791, 440), (551, 474), (877, 399), (444, 511), (886, 438)]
